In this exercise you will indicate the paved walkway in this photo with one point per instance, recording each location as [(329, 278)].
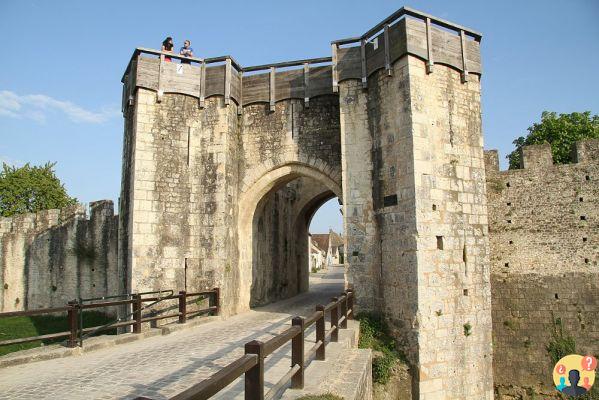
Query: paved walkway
[(160, 367)]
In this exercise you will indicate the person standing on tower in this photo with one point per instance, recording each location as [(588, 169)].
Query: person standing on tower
[(186, 51), (167, 46)]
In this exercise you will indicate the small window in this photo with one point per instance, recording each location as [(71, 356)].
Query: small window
[(511, 242), (580, 199), (584, 239), (507, 184), (507, 264), (440, 242), (434, 207), (509, 221), (588, 178), (583, 217), (465, 292), (556, 296), (390, 200), (509, 204), (464, 254), (586, 260)]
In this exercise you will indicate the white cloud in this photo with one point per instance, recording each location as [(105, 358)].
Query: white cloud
[(37, 106)]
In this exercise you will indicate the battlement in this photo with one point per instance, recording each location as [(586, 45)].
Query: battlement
[(538, 156), (45, 219), (405, 32)]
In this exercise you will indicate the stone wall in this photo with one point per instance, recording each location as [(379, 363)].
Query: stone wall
[(416, 220), (544, 237), (54, 256), (199, 181)]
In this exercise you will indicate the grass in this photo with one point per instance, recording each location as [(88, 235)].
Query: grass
[(374, 334), (327, 396), (20, 327)]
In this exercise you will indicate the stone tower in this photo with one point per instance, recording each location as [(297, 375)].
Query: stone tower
[(225, 165)]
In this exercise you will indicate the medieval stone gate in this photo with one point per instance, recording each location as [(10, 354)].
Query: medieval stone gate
[(224, 166)]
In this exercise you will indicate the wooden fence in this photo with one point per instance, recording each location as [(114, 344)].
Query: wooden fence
[(251, 363), (74, 309)]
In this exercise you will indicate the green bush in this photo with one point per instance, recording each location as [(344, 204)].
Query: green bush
[(561, 343), (21, 327), (374, 334)]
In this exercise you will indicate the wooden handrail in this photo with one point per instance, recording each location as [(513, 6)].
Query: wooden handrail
[(412, 13), (252, 363), (219, 380), (74, 310)]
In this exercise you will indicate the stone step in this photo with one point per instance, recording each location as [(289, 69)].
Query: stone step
[(346, 372)]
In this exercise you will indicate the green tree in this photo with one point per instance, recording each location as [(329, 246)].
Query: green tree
[(31, 189), (561, 132)]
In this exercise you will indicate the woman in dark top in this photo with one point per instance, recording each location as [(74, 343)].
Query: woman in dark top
[(167, 46)]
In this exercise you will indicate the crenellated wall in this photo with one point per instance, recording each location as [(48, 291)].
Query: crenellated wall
[(54, 256), (544, 237)]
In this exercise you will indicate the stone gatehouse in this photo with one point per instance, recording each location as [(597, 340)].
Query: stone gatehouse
[(224, 166)]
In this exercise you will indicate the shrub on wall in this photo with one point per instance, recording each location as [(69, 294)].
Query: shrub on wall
[(561, 132), (31, 189)]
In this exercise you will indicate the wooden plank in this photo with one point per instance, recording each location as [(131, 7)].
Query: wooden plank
[(289, 84), (215, 80), (363, 63), (464, 62), (255, 89), (387, 51), (294, 63), (227, 81), (307, 83), (348, 66), (272, 89), (429, 48), (334, 49), (375, 54)]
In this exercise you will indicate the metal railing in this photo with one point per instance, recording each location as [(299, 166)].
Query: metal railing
[(77, 333), (251, 363)]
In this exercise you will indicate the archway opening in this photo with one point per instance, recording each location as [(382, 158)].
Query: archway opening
[(274, 233), (326, 243)]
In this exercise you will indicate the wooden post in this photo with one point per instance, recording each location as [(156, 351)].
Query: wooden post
[(216, 301), (227, 81), (307, 85), (202, 83), (137, 313), (297, 354), (254, 377), (320, 353), (182, 306), (343, 304), (429, 48), (464, 65), (387, 50), (335, 320), (73, 317), (350, 303), (363, 59), (335, 71), (159, 92), (272, 88), (240, 104)]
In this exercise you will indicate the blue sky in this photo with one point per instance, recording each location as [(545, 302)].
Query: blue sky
[(62, 63)]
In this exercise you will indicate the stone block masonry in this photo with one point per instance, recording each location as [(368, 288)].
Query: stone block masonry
[(544, 237), (54, 256)]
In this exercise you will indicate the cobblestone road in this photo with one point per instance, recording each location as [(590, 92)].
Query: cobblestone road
[(160, 367)]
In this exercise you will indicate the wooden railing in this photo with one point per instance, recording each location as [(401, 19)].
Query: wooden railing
[(251, 363), (74, 309)]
